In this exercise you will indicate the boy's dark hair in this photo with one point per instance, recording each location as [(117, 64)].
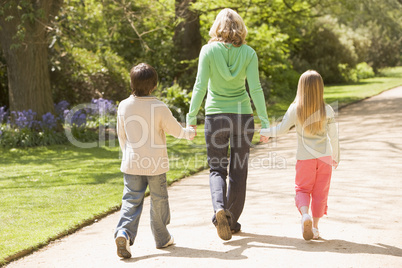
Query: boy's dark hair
[(144, 79)]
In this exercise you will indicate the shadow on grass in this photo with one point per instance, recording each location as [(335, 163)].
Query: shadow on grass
[(53, 154)]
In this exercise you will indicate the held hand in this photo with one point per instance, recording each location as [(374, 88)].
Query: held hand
[(264, 139), (334, 164), (195, 129), (192, 135)]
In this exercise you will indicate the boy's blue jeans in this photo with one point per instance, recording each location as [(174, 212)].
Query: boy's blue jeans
[(222, 130), (132, 203)]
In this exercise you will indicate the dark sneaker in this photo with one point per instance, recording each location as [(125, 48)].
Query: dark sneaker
[(123, 245), (236, 229), (222, 226)]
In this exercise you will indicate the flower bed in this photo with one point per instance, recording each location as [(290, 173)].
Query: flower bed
[(81, 123)]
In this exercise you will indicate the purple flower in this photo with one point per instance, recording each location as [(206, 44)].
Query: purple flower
[(103, 107), (65, 113), (48, 121), (60, 109), (79, 119), (24, 119), (3, 114)]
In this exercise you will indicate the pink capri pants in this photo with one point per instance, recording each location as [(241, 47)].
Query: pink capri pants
[(313, 177)]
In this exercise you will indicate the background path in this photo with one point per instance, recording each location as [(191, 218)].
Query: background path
[(363, 227)]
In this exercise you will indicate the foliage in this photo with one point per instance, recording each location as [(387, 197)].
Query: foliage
[(270, 35), (361, 71), (395, 72), (379, 22), (81, 58), (142, 31), (178, 101), (322, 50), (90, 56)]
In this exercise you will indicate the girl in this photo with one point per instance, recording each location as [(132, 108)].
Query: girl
[(317, 151)]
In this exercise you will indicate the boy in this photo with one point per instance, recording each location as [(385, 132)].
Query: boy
[(142, 121)]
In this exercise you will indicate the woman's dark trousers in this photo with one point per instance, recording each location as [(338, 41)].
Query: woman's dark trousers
[(222, 130)]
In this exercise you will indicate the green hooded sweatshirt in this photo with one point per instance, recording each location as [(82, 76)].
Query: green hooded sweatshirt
[(223, 69)]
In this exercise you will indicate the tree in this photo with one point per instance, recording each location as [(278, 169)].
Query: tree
[(187, 39), (23, 37)]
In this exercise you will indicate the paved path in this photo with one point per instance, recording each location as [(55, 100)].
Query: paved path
[(363, 227)]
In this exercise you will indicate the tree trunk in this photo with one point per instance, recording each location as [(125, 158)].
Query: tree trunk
[(187, 39), (27, 59)]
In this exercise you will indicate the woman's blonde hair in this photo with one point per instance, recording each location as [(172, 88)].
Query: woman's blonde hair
[(228, 27), (310, 102)]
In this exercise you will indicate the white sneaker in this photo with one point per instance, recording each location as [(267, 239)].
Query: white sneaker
[(171, 242), (316, 233), (123, 244), (307, 227)]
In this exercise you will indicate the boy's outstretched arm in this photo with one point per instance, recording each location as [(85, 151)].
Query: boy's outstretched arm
[(174, 128)]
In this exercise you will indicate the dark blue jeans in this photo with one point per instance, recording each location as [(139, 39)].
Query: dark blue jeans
[(222, 130)]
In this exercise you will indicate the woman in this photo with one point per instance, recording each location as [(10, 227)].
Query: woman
[(224, 65)]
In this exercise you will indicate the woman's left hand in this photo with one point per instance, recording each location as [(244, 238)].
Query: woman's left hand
[(195, 128)]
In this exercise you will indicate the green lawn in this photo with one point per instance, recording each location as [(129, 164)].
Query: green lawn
[(49, 191), (341, 95)]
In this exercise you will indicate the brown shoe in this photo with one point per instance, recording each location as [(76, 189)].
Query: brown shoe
[(222, 226)]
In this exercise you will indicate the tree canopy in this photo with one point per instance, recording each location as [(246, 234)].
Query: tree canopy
[(90, 45)]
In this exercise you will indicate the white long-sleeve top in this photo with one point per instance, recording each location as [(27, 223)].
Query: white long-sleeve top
[(309, 146), (141, 126)]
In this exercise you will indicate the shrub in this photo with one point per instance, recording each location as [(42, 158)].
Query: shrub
[(364, 71), (323, 49), (81, 75), (102, 112), (23, 130), (178, 100), (347, 74)]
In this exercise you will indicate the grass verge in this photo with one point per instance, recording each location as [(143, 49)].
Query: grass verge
[(350, 93)]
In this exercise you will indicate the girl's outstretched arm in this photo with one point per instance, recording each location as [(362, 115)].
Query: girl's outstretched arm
[(289, 120), (333, 135)]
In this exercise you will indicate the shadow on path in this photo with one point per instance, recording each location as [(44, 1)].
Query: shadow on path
[(321, 245), (249, 240)]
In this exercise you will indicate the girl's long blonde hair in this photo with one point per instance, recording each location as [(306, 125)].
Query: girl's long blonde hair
[(310, 102), (228, 27)]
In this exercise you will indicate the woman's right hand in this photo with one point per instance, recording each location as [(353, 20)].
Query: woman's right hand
[(264, 139)]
